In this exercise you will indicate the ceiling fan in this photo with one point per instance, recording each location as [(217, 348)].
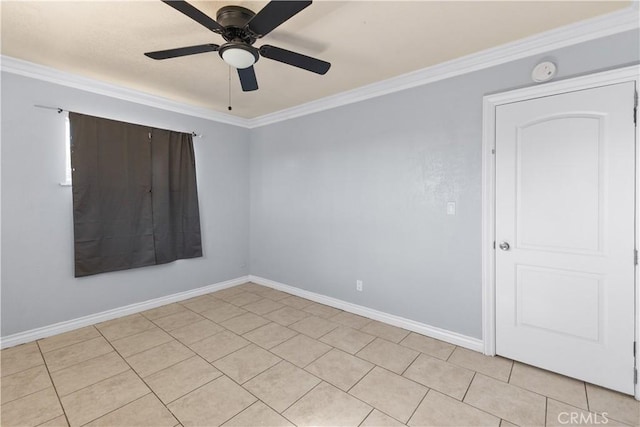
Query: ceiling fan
[(241, 28)]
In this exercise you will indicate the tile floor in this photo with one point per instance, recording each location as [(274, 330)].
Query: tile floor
[(250, 355)]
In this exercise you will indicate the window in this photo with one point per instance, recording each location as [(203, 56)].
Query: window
[(67, 182)]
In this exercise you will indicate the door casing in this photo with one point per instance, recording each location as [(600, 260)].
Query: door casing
[(490, 102)]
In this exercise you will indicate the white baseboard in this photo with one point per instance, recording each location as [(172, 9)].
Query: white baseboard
[(411, 325), (92, 319)]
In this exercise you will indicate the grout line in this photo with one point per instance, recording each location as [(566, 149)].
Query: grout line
[(451, 354), (67, 345), (513, 363), (114, 410), (365, 418), (55, 390), (586, 395), (412, 362), (546, 408), (468, 387), (418, 405)]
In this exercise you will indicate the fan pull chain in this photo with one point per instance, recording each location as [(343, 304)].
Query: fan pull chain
[(229, 107)]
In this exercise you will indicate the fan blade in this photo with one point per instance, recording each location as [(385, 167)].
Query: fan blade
[(248, 79), (182, 51), (273, 14), (296, 59), (195, 14)]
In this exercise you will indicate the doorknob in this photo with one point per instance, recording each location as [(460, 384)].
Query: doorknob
[(504, 246)]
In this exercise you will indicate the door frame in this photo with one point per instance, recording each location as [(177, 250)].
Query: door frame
[(490, 103)]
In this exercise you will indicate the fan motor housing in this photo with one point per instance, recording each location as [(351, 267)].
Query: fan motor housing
[(234, 19)]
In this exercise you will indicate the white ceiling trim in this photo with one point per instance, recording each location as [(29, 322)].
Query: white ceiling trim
[(40, 72), (613, 23), (591, 29)]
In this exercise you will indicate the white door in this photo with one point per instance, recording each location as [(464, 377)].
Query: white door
[(565, 173)]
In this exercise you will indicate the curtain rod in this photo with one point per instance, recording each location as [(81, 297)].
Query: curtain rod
[(60, 110)]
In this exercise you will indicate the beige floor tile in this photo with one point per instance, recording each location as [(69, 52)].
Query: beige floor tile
[(59, 421), (24, 383), (202, 303), (547, 383), (379, 419), (101, 398), (301, 350), (296, 302), (322, 310), (382, 330), (390, 393), (438, 409), (440, 375), (351, 320), (286, 315), (560, 414), (246, 363), (244, 298), (506, 401), (326, 405), (269, 335), (347, 339), (427, 345), (158, 358), (147, 411), (20, 358), (223, 312), (258, 415), (250, 287), (68, 338), (314, 326), (281, 385), (124, 326), (244, 323), (196, 331), (76, 353), (263, 306), (227, 293), (88, 372), (211, 404), (496, 366), (393, 357), (137, 343), (178, 320), (175, 381), (618, 406), (162, 311), (31, 410), (340, 369), (272, 294), (218, 345)]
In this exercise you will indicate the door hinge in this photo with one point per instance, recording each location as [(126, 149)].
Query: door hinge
[(634, 348), (635, 376), (494, 244), (493, 151), (635, 257)]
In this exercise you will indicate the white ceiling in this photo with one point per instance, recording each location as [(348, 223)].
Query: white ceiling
[(366, 41)]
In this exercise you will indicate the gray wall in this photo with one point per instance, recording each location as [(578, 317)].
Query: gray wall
[(38, 287), (360, 192)]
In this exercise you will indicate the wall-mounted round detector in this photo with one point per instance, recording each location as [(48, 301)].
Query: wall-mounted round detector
[(543, 72)]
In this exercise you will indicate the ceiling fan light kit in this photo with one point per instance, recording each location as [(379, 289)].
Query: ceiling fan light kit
[(239, 55), (241, 28)]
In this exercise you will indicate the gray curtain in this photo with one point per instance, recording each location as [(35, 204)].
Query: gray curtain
[(135, 199)]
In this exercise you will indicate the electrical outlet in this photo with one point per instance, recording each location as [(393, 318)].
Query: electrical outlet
[(359, 285)]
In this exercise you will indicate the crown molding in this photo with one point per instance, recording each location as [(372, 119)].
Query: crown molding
[(29, 69), (579, 32), (591, 29)]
